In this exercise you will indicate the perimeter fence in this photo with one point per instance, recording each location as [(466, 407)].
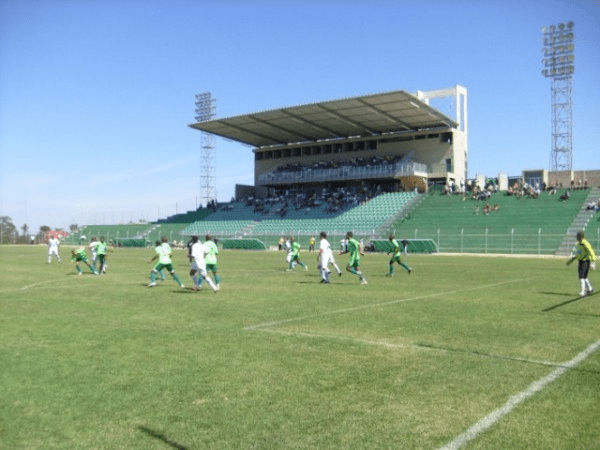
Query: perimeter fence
[(449, 241)]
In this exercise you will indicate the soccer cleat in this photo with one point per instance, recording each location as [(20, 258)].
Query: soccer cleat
[(363, 281), (389, 274), (79, 274), (152, 284), (582, 294), (181, 286), (306, 268), (409, 270), (340, 274)]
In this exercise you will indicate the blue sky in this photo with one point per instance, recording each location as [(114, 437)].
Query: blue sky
[(96, 96)]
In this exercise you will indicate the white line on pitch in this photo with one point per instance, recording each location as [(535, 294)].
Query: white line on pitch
[(339, 311), (405, 346), (491, 419)]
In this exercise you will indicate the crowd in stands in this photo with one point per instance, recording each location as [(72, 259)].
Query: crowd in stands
[(329, 200), (357, 162), (470, 188)]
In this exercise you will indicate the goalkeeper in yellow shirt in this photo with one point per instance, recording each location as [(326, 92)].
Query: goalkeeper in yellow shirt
[(586, 257)]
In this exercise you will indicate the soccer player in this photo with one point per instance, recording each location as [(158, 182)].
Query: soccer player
[(325, 258), (288, 252), (163, 254), (211, 259), (92, 249), (199, 252), (189, 245), (353, 247), (161, 272), (79, 255), (396, 257), (53, 244), (586, 257), (295, 255), (101, 254)]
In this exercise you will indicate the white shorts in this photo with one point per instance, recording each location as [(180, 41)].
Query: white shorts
[(200, 268), (326, 259)]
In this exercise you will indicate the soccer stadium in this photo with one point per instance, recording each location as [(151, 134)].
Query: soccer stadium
[(482, 342), (384, 238), (377, 165)]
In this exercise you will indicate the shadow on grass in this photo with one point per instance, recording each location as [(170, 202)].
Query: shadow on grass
[(161, 437), (567, 302)]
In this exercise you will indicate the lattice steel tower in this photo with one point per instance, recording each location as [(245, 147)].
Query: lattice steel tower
[(558, 63), (206, 110)]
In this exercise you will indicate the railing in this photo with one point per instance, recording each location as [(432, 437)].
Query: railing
[(343, 173), (539, 243)]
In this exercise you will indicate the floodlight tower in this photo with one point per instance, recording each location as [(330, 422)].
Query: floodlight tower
[(558, 65), (206, 110)]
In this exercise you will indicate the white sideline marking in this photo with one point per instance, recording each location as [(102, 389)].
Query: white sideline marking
[(491, 419), (354, 308)]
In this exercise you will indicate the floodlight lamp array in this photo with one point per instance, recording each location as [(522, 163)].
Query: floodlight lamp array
[(205, 107), (558, 50)]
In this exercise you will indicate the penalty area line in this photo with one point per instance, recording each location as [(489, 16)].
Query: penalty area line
[(491, 419), (375, 305), (410, 346)]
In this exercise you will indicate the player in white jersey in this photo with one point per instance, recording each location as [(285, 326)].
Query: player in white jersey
[(198, 252), (288, 252), (92, 249), (53, 244), (325, 258)]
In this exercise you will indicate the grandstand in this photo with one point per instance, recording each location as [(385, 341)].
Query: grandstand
[(542, 225), (393, 139), (521, 224), (366, 164)]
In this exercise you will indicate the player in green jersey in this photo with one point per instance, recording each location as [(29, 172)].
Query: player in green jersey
[(163, 254), (101, 249), (161, 272), (79, 255), (586, 257), (354, 248), (295, 255), (396, 257), (211, 258)]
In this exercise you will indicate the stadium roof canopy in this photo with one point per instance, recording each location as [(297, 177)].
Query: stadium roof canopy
[(370, 115)]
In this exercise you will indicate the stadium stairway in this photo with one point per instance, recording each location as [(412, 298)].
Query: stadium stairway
[(580, 222), (400, 214)]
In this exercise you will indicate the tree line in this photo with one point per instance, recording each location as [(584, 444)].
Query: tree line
[(9, 234)]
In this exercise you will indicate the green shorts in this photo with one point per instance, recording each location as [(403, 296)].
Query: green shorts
[(81, 259), (354, 262), (396, 257), (158, 267), (214, 268)]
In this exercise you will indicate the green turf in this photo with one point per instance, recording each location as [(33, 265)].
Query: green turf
[(278, 360)]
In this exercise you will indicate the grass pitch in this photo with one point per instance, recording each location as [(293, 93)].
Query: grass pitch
[(277, 360)]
